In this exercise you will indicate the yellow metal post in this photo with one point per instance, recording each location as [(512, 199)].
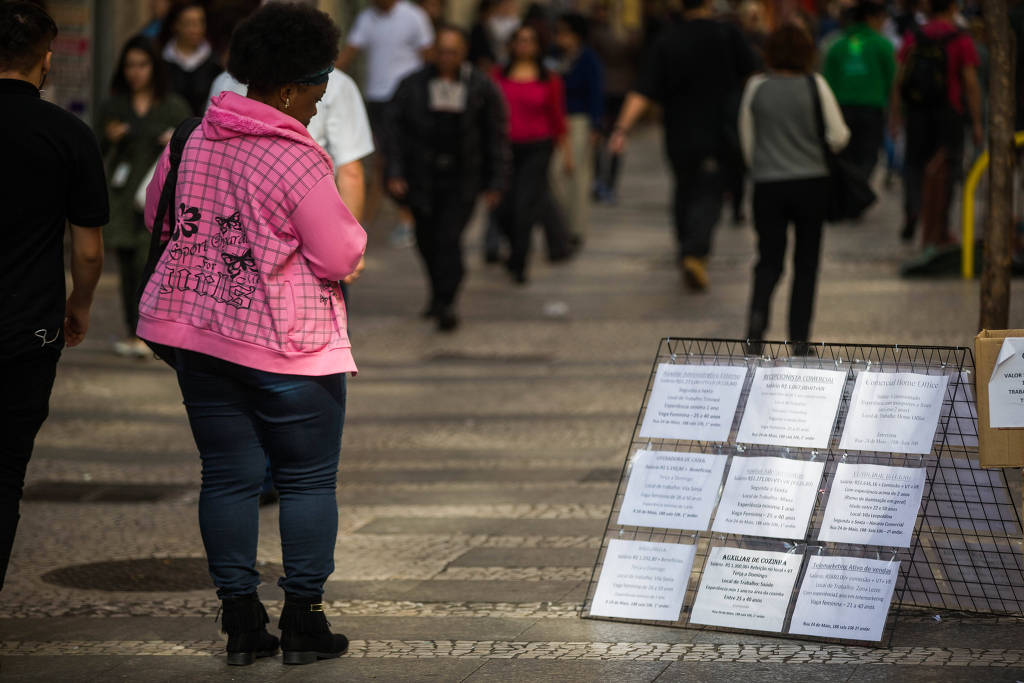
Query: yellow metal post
[(970, 185)]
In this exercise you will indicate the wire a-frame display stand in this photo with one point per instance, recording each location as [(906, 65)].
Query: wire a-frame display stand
[(965, 553)]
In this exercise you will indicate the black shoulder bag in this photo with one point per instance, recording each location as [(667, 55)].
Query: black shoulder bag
[(849, 195), (157, 245)]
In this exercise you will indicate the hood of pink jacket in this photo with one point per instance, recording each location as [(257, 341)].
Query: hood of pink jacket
[(230, 116)]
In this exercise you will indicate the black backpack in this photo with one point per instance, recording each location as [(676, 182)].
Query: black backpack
[(925, 71)]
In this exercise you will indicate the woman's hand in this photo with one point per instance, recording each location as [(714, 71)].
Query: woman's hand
[(116, 130), (398, 187), (568, 163), (492, 198), (617, 141), (354, 275)]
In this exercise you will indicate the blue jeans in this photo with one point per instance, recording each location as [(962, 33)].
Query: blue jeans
[(239, 417)]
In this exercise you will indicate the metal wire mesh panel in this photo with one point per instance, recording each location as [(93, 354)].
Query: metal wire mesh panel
[(965, 552)]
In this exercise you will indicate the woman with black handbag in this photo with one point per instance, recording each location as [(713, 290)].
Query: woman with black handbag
[(789, 164)]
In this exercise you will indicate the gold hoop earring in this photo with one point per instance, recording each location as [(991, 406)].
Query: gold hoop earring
[(288, 103)]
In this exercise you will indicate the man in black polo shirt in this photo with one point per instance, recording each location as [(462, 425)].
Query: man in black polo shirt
[(51, 175), (696, 70)]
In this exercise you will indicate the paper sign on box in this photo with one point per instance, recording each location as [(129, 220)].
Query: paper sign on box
[(1006, 386), (996, 447)]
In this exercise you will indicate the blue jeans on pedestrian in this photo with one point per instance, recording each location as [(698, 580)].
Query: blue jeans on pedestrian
[(239, 417)]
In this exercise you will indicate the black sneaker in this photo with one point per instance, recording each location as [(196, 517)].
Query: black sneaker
[(447, 321)]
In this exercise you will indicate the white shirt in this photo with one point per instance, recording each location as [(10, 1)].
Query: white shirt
[(226, 83), (340, 124), (393, 42), (187, 62)]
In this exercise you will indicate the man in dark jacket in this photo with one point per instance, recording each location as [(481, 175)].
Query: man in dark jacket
[(446, 145), (696, 70)]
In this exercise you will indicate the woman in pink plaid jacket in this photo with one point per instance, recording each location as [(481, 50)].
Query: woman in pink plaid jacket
[(246, 294)]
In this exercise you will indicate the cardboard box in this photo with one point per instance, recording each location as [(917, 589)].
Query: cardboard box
[(996, 447)]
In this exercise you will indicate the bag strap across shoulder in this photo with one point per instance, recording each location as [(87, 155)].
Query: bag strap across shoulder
[(819, 116), (156, 243)]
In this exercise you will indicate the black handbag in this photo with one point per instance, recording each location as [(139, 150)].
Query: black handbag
[(157, 245), (849, 195)]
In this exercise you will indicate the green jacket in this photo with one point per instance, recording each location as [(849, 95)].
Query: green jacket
[(129, 160), (860, 67)]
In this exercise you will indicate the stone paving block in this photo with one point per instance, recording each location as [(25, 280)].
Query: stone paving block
[(494, 527), (591, 630), (385, 670), (697, 672), (117, 628), (449, 628), (727, 637), (526, 557), (557, 671), (498, 591), (601, 494), (56, 668), (465, 475), (871, 673), (978, 635), (203, 670)]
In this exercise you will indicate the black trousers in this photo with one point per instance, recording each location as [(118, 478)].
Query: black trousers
[(130, 264), (777, 204), (528, 202), (439, 231), (867, 133), (928, 133), (24, 405), (699, 186)]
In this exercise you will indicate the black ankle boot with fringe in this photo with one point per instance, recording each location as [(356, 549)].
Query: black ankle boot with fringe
[(305, 633), (245, 621)]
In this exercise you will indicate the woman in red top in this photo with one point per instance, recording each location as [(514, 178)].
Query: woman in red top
[(536, 123)]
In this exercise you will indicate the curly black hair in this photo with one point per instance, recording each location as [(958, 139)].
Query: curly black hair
[(282, 43)]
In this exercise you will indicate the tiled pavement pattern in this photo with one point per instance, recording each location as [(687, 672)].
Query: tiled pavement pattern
[(612, 652), (477, 473)]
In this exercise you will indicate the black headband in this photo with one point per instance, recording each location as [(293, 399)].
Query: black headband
[(319, 78)]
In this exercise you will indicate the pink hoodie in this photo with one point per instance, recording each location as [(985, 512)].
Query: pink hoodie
[(260, 238)]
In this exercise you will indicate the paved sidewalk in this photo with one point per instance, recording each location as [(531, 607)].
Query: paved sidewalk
[(477, 473)]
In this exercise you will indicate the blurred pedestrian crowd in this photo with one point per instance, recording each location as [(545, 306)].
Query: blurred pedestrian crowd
[(527, 111)]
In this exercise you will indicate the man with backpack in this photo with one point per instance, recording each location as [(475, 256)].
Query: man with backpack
[(938, 95), (860, 68)]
